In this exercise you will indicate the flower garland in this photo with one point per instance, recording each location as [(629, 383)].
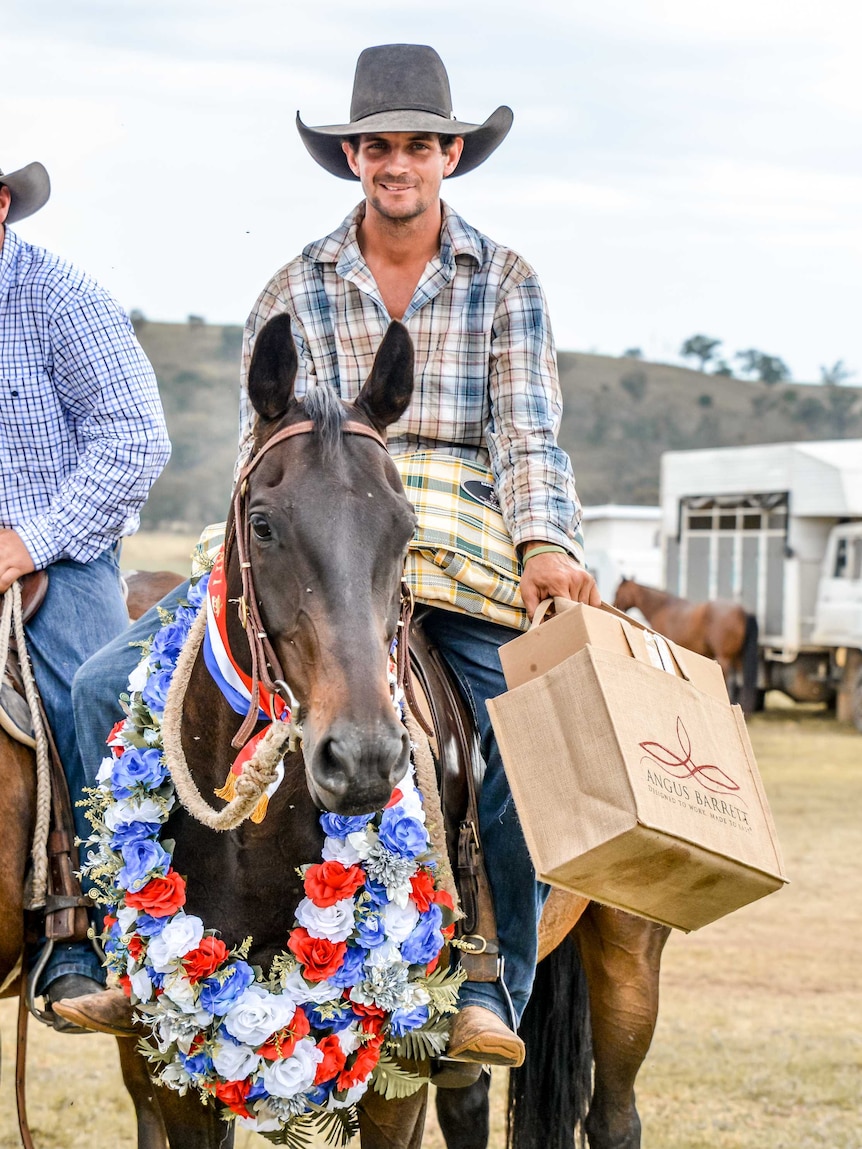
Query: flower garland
[(357, 985)]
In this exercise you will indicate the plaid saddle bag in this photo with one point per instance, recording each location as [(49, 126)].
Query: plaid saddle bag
[(461, 556)]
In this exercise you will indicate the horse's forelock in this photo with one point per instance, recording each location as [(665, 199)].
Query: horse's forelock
[(324, 408)]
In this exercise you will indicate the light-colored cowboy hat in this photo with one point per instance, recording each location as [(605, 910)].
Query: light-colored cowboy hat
[(403, 88), (30, 188)]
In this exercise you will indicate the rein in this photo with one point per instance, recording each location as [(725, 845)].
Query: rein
[(265, 667)]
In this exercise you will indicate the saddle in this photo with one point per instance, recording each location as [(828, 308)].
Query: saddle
[(65, 910), (438, 706)]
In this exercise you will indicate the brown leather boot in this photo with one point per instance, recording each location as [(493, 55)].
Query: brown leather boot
[(478, 1035), (108, 1011)]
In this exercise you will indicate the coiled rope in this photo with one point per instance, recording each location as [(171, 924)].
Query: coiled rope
[(13, 619)]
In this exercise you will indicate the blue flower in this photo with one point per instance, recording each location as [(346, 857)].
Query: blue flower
[(218, 994), (370, 931), (426, 940), (403, 1020), (155, 693), (184, 617), (257, 1090), (197, 1065), (344, 1017), (352, 968), (142, 859), (125, 833), (137, 768), (149, 927), (167, 646), (377, 892), (401, 834), (319, 1094), (340, 825), (197, 592)]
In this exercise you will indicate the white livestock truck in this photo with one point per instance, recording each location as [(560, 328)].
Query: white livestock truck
[(777, 528)]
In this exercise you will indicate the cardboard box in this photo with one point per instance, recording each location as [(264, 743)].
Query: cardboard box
[(633, 776)]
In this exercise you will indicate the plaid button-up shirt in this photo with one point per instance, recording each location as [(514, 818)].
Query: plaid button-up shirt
[(486, 386), (82, 432)]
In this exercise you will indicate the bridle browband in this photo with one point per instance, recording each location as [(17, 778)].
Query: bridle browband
[(265, 667)]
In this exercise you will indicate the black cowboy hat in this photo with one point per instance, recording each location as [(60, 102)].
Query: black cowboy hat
[(30, 188), (403, 88)]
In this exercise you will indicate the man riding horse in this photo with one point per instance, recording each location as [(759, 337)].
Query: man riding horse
[(486, 390), (83, 439)]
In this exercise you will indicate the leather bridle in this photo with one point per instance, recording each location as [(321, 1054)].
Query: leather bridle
[(266, 669)]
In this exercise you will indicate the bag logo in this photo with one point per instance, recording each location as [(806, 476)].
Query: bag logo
[(682, 766), (481, 492)]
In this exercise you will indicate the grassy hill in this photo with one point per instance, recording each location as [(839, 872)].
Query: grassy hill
[(619, 416)]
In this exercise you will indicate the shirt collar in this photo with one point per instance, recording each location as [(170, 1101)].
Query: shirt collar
[(342, 247)]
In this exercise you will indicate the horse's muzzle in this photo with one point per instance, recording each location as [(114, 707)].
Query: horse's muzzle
[(353, 770)]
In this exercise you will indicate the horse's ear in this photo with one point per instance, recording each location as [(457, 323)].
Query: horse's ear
[(387, 391), (272, 372)]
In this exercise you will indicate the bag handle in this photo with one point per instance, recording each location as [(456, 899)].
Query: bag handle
[(646, 645)]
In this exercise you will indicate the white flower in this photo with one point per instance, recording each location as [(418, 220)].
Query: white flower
[(180, 990), (142, 987), (363, 841), (257, 1014), (294, 1074), (340, 850), (182, 933), (348, 1038), (139, 676), (400, 921), (105, 770), (386, 954), (136, 810), (127, 916), (400, 895), (333, 922), (301, 991), (234, 1062)]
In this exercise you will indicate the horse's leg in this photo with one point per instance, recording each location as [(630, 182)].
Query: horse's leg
[(151, 1128), (191, 1125), (463, 1114), (392, 1124), (621, 956)]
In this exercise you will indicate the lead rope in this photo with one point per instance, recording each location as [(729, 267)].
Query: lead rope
[(13, 617), (258, 773)]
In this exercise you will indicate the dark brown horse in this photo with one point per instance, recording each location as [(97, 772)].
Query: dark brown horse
[(17, 816), (718, 629)]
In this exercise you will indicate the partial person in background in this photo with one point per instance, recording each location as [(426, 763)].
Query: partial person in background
[(82, 440)]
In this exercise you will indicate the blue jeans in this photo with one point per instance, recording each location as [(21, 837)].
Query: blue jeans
[(470, 647), (83, 609)]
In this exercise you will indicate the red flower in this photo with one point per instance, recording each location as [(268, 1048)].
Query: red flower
[(445, 900), (319, 956), (136, 945), (371, 1017), (330, 882), (160, 897), (422, 886), (432, 965), (395, 799), (233, 1094), (201, 962), (110, 740), (126, 984), (110, 920), (281, 1044), (334, 1058), (365, 1058)]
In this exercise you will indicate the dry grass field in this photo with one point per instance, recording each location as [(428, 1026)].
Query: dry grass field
[(759, 1041)]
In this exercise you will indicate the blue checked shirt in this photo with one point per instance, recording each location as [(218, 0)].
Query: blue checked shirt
[(82, 432), (487, 387)]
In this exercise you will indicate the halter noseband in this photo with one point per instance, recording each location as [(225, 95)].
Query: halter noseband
[(265, 667)]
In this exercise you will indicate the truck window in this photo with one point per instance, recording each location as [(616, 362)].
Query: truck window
[(840, 559)]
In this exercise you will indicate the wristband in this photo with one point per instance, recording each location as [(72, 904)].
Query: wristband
[(547, 549)]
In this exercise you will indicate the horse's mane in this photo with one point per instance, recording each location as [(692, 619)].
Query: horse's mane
[(325, 409)]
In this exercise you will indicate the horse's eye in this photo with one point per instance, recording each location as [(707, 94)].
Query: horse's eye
[(260, 526)]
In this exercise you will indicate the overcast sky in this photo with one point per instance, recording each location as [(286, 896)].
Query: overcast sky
[(675, 166)]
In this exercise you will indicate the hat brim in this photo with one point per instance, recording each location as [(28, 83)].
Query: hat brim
[(480, 140), (30, 188)]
